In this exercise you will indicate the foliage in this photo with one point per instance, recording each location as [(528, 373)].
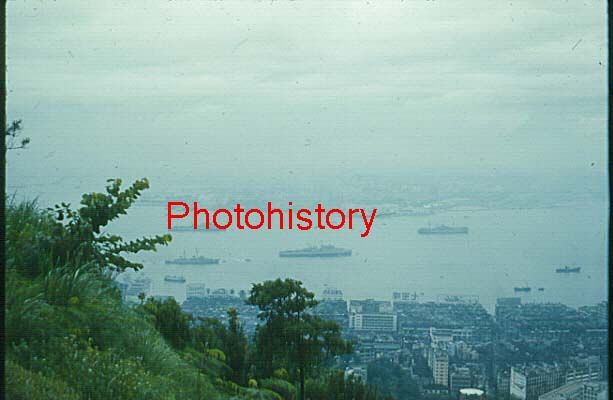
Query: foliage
[(235, 347), (291, 337), (12, 136), (392, 380), (22, 384), (280, 386), (333, 386), (169, 320), (68, 334), (62, 237)]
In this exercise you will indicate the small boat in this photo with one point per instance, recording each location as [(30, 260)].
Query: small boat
[(522, 289), (568, 269), (443, 230), (174, 278), (541, 289)]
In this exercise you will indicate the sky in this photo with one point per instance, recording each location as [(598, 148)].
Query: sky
[(262, 88)]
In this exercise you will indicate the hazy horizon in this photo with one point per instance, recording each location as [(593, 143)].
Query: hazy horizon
[(272, 89)]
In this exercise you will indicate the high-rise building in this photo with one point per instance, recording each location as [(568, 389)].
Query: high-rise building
[(438, 360), (584, 370), (372, 315), (381, 322), (529, 382), (438, 355), (595, 391)]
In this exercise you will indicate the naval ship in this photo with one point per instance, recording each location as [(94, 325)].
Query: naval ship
[(321, 251), (193, 260), (442, 230), (174, 278), (567, 270)]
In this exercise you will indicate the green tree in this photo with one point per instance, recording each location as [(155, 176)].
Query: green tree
[(169, 320), (235, 347), (290, 336), (40, 241)]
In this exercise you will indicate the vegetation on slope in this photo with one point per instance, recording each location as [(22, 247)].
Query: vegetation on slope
[(69, 336)]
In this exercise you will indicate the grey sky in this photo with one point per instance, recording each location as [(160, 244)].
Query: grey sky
[(137, 87)]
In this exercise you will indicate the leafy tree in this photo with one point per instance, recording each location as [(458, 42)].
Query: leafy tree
[(235, 347), (290, 336), (169, 320), (392, 380), (40, 241)]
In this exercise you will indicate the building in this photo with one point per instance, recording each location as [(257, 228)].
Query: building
[(578, 391), (506, 309), (332, 294), (404, 297), (378, 322), (569, 391), (503, 381), (595, 391), (438, 355), (370, 306), (195, 290), (372, 315), (460, 378), (438, 361), (529, 382), (584, 370)]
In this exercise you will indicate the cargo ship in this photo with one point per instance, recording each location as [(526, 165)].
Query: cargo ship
[(567, 270), (313, 251), (522, 289), (443, 230), (193, 260), (174, 278)]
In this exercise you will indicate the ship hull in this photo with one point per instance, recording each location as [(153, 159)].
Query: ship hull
[(309, 255), (568, 270), (459, 231), (192, 263)]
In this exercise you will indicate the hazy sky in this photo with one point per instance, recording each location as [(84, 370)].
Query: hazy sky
[(150, 88)]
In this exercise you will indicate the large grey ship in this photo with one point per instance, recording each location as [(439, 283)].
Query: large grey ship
[(443, 230), (313, 251), (193, 260)]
